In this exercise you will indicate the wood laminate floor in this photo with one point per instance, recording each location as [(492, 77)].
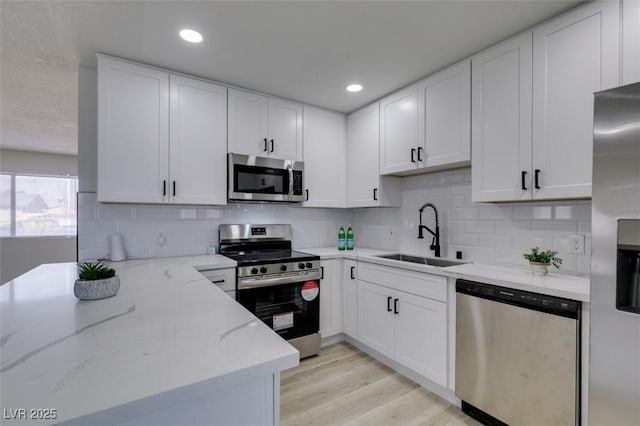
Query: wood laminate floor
[(343, 386)]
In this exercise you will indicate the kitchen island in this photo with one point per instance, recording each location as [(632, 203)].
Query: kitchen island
[(169, 348)]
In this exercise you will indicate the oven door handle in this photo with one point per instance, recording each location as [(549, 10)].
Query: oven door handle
[(249, 283)]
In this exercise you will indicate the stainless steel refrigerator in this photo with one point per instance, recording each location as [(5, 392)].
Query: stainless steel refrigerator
[(614, 370)]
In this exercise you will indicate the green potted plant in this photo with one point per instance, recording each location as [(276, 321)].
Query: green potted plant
[(96, 280), (540, 260)]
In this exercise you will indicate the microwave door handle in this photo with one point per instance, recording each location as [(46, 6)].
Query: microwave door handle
[(290, 181)]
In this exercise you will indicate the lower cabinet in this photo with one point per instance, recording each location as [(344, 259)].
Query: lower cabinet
[(350, 298), (330, 298), (408, 328)]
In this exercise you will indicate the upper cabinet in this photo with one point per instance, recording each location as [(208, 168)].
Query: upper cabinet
[(533, 106), (264, 126), (427, 126), (365, 186), (444, 117), (630, 41), (324, 158), (574, 56), (399, 131), (501, 130), (151, 150)]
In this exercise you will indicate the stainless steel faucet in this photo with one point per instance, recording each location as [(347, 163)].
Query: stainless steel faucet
[(435, 243)]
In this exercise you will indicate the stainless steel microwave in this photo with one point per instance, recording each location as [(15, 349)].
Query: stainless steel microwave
[(253, 178)]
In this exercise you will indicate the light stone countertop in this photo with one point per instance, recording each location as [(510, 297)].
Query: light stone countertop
[(554, 284), (168, 335)]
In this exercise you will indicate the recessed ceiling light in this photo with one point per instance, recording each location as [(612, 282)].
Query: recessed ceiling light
[(191, 36), (354, 88)]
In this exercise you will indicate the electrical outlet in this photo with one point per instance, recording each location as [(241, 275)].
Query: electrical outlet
[(576, 244)]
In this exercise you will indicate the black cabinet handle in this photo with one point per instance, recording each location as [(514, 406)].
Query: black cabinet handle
[(389, 304), (524, 175), (174, 188), (164, 188), (419, 149), (271, 145), (322, 272), (218, 281), (413, 152), (265, 145), (375, 194), (353, 268), (395, 307), (536, 179), (307, 192)]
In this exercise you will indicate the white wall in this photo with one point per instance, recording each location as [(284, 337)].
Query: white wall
[(497, 233), (18, 255)]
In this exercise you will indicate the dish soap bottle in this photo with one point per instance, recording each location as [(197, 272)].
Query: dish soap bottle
[(349, 238), (342, 238)]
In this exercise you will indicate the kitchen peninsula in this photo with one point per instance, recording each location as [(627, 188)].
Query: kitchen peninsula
[(169, 348)]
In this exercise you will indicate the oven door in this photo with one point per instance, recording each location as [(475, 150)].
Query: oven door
[(291, 310), (264, 179)]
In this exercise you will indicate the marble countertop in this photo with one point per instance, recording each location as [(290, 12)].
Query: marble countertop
[(168, 333), (554, 284)]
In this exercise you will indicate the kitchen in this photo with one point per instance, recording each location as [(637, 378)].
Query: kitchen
[(171, 212)]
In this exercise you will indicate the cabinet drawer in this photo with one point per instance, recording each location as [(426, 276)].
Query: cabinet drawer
[(420, 284), (223, 278)]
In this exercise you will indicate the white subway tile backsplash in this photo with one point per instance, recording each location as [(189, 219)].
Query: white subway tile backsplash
[(114, 212)]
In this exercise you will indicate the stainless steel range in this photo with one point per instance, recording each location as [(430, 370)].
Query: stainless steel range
[(279, 285)]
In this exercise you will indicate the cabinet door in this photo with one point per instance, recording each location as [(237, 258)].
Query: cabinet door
[(350, 298), (574, 56), (324, 159), (399, 131), (375, 317), (247, 120), (421, 336), (363, 138), (501, 121), (330, 298), (630, 41), (444, 101), (133, 132), (285, 129), (198, 145)]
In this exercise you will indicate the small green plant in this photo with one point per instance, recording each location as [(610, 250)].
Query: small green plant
[(547, 256), (90, 271)]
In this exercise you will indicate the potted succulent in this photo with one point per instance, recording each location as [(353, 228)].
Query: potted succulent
[(540, 260), (96, 280)]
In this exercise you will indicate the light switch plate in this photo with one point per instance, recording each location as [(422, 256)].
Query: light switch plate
[(576, 244)]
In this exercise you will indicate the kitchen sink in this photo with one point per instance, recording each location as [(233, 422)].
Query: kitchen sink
[(422, 260)]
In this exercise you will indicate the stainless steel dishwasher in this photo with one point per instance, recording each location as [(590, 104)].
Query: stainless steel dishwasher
[(517, 356)]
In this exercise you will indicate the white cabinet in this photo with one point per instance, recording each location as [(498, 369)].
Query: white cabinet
[(350, 298), (630, 41), (375, 317), (324, 158), (399, 131), (264, 126), (197, 148), (403, 315), (365, 186), (133, 132), (444, 117), (161, 137), (330, 298), (501, 132), (574, 56), (533, 106)]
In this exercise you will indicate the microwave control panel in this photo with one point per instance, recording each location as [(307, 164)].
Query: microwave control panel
[(297, 182)]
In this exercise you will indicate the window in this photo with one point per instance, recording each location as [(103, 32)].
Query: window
[(32, 206)]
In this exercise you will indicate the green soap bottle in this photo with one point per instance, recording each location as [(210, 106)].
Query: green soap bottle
[(349, 238), (342, 238)]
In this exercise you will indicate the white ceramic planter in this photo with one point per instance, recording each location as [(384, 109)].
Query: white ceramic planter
[(96, 289), (539, 269)]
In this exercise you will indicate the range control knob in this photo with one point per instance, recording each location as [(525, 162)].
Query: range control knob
[(254, 270), (301, 265), (309, 265), (283, 268), (263, 270)]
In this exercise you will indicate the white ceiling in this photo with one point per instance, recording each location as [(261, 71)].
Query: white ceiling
[(306, 51)]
